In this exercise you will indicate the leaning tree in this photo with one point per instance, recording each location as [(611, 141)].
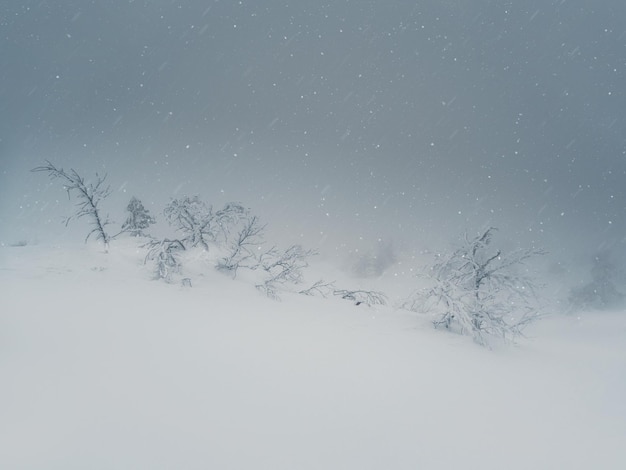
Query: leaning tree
[(89, 194)]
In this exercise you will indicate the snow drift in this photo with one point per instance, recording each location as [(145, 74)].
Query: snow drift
[(103, 368)]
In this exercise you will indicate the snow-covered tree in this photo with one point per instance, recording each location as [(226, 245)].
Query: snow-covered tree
[(198, 222), (193, 218), (89, 195), (241, 248), (480, 291), (228, 221), (601, 293), (139, 218), (282, 268)]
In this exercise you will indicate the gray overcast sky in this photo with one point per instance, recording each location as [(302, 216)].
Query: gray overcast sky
[(411, 120)]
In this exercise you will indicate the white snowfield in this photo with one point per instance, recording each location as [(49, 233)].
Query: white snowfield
[(103, 368)]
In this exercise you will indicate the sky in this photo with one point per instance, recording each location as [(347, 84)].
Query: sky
[(340, 123)]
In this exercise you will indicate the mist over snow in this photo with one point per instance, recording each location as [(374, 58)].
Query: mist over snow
[(373, 132)]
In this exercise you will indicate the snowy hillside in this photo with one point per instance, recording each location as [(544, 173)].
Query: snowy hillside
[(104, 368)]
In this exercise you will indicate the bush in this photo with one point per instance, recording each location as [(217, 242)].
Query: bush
[(198, 222), (480, 291), (165, 256)]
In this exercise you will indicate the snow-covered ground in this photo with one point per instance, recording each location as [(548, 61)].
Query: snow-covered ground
[(103, 368)]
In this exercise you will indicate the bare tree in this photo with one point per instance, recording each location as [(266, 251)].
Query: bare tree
[(199, 223), (193, 218), (228, 218), (241, 248), (282, 268), (480, 291), (89, 194)]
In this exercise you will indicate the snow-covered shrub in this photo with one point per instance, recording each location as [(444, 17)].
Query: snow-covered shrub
[(282, 268), (193, 218), (242, 248), (165, 256), (198, 222), (237, 237), (480, 291), (228, 220), (139, 218)]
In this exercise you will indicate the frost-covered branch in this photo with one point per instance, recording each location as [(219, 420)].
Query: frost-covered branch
[(241, 248), (164, 254), (227, 218), (319, 288), (282, 268), (367, 297)]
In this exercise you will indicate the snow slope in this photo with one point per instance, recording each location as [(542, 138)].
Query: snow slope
[(103, 368)]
